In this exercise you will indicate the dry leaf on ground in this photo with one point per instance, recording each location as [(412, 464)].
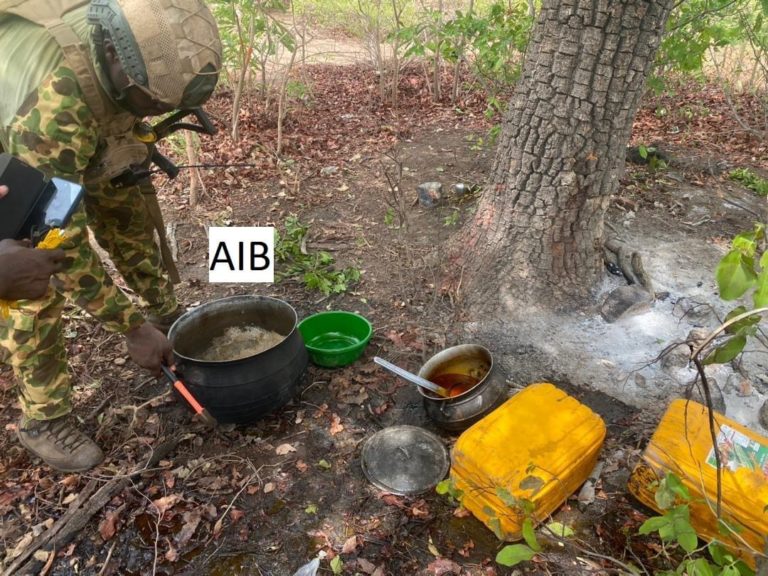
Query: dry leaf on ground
[(284, 449)]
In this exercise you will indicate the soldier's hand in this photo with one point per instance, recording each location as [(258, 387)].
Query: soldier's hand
[(3, 191), (25, 272), (149, 348)]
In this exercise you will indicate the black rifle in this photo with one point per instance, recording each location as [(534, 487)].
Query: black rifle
[(151, 134)]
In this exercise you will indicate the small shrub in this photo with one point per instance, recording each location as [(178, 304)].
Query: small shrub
[(750, 180), (674, 528), (315, 270)]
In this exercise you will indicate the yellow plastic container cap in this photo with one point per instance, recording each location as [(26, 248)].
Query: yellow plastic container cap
[(526, 458), (682, 445)]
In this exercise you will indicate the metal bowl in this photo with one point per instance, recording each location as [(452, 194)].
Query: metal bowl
[(461, 411)]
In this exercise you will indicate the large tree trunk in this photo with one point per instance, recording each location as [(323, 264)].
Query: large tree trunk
[(537, 232)]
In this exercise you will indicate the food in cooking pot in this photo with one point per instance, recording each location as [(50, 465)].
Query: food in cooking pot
[(455, 384), (239, 342)]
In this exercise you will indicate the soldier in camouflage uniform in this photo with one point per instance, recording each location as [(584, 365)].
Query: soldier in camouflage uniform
[(144, 57)]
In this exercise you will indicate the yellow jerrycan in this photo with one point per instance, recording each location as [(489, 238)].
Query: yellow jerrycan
[(682, 444), (526, 458)]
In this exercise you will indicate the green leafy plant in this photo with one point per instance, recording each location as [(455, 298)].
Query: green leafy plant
[(652, 156), (489, 40), (695, 26), (520, 508), (561, 530), (524, 508), (315, 270), (741, 273), (743, 269), (453, 218), (674, 528), (514, 554), (249, 32), (251, 37), (337, 566), (448, 488), (296, 89), (750, 180), (496, 38), (389, 217)]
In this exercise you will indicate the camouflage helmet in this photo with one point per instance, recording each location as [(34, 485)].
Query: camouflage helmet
[(171, 48)]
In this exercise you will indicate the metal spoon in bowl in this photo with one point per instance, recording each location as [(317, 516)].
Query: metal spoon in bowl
[(411, 377)]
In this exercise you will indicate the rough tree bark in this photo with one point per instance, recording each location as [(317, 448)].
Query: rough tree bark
[(537, 233)]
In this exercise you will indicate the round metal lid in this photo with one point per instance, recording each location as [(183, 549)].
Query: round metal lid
[(404, 460)]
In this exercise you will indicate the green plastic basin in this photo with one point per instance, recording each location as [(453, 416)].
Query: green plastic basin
[(335, 338)]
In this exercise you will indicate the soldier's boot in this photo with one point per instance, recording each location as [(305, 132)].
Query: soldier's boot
[(164, 323), (60, 444)]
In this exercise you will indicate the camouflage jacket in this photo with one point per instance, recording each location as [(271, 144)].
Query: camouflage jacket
[(30, 53), (55, 131)]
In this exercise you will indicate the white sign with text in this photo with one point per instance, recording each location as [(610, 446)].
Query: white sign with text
[(241, 254)]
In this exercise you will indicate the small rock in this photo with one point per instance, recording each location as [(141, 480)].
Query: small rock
[(761, 382), (696, 336), (716, 168), (763, 415), (119, 361), (694, 311), (718, 400), (740, 385), (732, 383), (329, 170), (430, 194), (625, 301), (640, 380), (676, 357)]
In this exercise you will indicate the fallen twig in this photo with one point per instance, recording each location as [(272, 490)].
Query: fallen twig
[(108, 558), (587, 552), (93, 414), (136, 407)]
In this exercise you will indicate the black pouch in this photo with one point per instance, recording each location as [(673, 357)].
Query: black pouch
[(34, 203)]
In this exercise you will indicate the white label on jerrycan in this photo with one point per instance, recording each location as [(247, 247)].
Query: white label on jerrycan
[(241, 254), (739, 451)]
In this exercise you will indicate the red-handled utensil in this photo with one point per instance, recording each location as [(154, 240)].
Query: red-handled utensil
[(191, 400)]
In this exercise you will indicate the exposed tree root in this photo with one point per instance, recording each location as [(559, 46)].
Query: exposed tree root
[(629, 262)]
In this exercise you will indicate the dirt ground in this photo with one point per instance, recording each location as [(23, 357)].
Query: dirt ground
[(267, 498)]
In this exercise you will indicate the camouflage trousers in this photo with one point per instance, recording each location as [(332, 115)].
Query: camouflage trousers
[(31, 339)]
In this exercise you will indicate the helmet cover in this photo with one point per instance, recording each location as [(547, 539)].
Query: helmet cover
[(171, 48)]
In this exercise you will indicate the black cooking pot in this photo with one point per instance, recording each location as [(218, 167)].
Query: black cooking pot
[(239, 391)]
